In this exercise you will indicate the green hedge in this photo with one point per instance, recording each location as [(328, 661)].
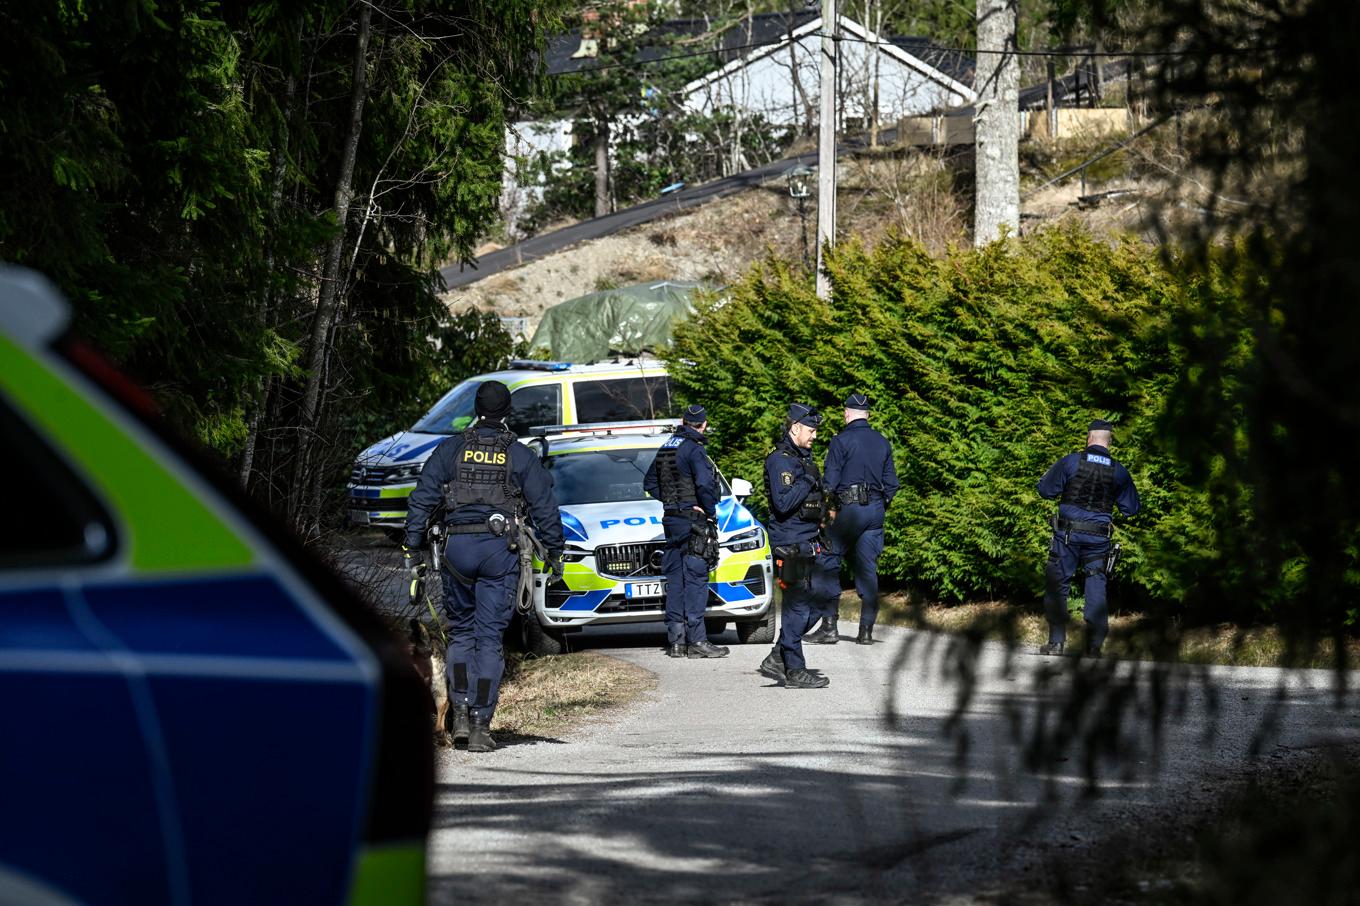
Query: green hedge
[(984, 367)]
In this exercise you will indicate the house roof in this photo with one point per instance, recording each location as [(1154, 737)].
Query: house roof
[(746, 36)]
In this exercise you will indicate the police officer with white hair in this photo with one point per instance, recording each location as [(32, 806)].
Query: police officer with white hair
[(1089, 485), (793, 487), (862, 479)]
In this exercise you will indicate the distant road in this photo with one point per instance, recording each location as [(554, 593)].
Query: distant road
[(684, 199)]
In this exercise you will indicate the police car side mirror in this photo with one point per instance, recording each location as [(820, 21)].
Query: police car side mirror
[(741, 488), (542, 444)]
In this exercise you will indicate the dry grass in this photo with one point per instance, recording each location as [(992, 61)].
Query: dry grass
[(548, 696), (1132, 636)]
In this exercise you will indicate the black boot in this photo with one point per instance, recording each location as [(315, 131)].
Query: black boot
[(773, 665), (866, 635), (461, 722), (827, 635), (801, 678), (479, 735), (676, 649), (1052, 648), (708, 649)]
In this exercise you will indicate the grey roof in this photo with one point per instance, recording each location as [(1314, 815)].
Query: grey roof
[(740, 39)]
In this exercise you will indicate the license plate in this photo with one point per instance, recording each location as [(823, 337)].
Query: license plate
[(644, 590), (358, 517)]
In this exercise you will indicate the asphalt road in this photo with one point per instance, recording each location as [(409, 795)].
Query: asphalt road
[(723, 787)]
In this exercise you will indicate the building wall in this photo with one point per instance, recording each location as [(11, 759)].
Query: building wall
[(766, 85)]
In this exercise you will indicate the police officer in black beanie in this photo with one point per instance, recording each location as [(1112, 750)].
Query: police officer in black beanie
[(683, 478), (1089, 485), (488, 483)]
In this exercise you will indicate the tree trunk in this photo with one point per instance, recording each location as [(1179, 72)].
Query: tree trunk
[(328, 298), (601, 167), (328, 294), (997, 194)]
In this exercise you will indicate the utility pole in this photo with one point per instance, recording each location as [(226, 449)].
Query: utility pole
[(826, 146)]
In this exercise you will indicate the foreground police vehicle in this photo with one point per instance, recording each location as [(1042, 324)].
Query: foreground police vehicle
[(614, 542), (541, 393), (195, 711)]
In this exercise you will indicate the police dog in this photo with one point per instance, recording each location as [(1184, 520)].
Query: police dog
[(428, 656)]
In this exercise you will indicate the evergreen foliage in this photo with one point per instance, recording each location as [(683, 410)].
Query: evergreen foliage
[(984, 367)]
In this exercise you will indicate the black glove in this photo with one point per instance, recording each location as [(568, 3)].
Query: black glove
[(414, 563), (553, 565)]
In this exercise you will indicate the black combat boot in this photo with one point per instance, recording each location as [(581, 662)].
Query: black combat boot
[(708, 649), (676, 649), (773, 665), (1093, 651), (866, 635), (1052, 648), (802, 678), (479, 735), (826, 635), (461, 723)]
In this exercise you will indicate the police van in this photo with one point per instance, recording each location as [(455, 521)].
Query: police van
[(541, 393), (611, 566), (195, 710)]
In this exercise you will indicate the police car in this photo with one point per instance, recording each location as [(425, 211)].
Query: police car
[(614, 541), (195, 710), (541, 393)]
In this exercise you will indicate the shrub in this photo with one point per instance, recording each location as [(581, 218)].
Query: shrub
[(984, 366)]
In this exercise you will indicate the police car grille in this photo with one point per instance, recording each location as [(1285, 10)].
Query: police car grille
[(642, 559)]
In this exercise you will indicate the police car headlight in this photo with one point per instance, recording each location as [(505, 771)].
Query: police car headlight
[(403, 473), (574, 554), (745, 541)]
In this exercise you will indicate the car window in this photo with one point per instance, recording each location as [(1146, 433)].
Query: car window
[(605, 476), (535, 405), (451, 414), (623, 399), (72, 527)]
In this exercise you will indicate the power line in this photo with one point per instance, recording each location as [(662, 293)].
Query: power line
[(933, 48)]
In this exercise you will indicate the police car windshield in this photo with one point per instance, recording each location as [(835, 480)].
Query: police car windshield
[(451, 414), (603, 476)]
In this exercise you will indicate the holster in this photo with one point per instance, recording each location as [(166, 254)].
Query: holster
[(793, 565), (703, 541), (1112, 558), (855, 493)]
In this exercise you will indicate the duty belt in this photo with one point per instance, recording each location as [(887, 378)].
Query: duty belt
[(1104, 529), (485, 527)]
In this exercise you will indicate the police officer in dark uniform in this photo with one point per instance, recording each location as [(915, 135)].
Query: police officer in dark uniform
[(487, 483), (862, 480), (1089, 485), (793, 487), (682, 477)]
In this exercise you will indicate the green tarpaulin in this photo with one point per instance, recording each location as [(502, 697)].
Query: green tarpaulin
[(624, 321)]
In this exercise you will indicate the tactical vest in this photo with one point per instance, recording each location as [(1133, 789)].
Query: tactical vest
[(1092, 488), (482, 474), (674, 486), (810, 510)]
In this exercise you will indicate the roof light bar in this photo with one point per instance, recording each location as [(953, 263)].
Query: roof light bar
[(535, 365)]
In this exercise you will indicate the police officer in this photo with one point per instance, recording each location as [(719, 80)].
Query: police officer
[(682, 477), (793, 487), (1089, 485), (487, 482), (862, 480)]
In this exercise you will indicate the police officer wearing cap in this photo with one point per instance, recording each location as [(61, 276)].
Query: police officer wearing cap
[(862, 480), (793, 487), (1088, 485), (683, 478), (487, 483)]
